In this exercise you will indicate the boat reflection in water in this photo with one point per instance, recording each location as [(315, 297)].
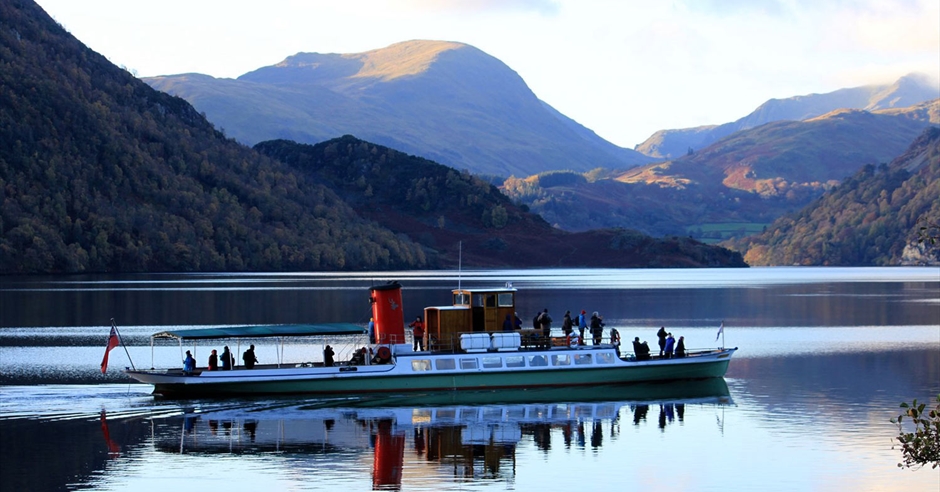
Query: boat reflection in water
[(472, 435)]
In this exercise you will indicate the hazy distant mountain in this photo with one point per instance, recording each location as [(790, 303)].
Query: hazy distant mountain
[(907, 91), (872, 218), (748, 178), (448, 102)]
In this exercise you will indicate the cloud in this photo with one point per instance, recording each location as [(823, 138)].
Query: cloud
[(542, 7)]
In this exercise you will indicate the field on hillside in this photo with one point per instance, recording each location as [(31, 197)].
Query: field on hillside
[(711, 233)]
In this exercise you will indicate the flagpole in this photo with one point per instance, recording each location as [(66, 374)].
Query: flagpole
[(121, 339)]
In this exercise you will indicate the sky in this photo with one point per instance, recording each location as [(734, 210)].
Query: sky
[(623, 68)]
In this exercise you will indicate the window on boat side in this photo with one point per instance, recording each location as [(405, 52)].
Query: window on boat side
[(505, 300), (515, 361), (604, 358), (537, 361), (461, 299), (582, 359), (419, 365), (561, 360), (478, 300), (445, 364), (492, 362), (468, 363)]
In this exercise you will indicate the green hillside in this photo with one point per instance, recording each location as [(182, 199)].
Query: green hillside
[(872, 218), (443, 208), (101, 173), (740, 183)]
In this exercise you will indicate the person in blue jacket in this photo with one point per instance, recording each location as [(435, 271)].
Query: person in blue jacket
[(189, 363)]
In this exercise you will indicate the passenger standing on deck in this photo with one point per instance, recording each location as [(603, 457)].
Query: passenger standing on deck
[(417, 334), (615, 340), (371, 331), (328, 356), (213, 361), (546, 321), (189, 363), (670, 344), (566, 324), (582, 324), (249, 358), (227, 360), (680, 347), (507, 323), (662, 339), (597, 328)]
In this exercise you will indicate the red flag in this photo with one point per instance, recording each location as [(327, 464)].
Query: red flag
[(113, 341)]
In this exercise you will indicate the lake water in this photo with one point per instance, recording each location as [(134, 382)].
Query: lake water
[(826, 356)]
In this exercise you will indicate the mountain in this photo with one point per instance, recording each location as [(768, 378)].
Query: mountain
[(873, 218), (444, 209), (101, 173), (444, 101), (907, 91), (745, 180)]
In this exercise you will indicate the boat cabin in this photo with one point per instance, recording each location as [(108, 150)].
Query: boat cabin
[(472, 311)]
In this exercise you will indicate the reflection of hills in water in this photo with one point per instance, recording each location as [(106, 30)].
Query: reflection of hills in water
[(473, 433)]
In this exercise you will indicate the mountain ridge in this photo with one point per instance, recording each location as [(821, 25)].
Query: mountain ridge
[(464, 108), (909, 90)]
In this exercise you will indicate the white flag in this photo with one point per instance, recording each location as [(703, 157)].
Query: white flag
[(721, 330)]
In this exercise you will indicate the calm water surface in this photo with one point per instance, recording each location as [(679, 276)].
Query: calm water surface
[(826, 355)]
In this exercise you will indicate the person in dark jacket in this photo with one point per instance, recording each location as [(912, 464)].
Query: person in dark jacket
[(228, 360), (213, 361), (249, 358), (328, 356), (597, 328), (662, 339), (680, 347)]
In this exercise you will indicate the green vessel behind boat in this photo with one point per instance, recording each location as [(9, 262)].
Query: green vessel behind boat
[(466, 349)]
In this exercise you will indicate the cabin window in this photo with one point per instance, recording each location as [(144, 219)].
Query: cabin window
[(505, 300), (515, 361), (461, 299), (419, 365), (491, 300), (582, 359), (447, 414), (478, 300), (445, 364), (492, 362), (604, 358), (561, 360), (468, 363), (537, 361)]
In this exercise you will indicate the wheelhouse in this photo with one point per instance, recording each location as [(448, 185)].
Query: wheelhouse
[(472, 311)]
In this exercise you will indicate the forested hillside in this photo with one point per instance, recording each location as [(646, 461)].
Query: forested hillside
[(872, 218), (740, 183), (443, 208), (101, 173)]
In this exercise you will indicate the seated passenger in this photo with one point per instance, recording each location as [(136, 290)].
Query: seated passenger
[(642, 350)]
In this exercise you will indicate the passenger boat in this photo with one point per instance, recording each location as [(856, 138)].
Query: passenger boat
[(466, 349)]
